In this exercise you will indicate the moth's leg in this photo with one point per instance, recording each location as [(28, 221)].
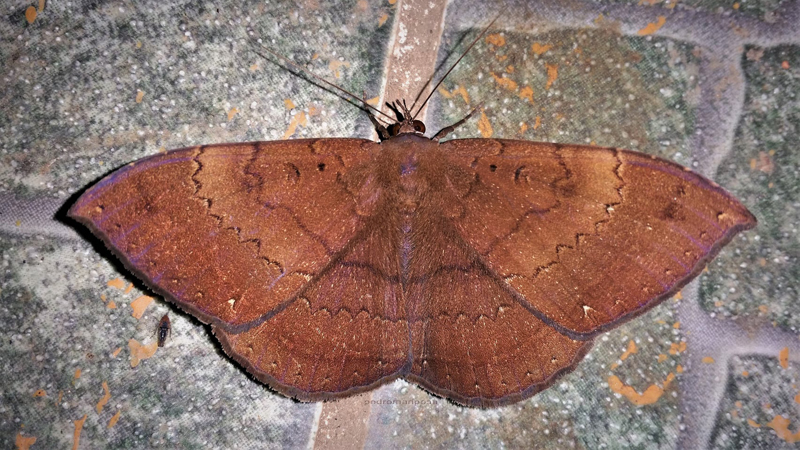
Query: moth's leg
[(383, 133), (447, 130)]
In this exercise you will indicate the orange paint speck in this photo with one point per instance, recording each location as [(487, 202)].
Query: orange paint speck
[(552, 74), (140, 352), (674, 349), (484, 126), (652, 27), (745, 373), (334, 67), (662, 357), (30, 14), (631, 350), (116, 352), (382, 19), (139, 96), (24, 442), (523, 128), (77, 374), (753, 423), (797, 398), (506, 83), (116, 283), (298, 119), (104, 400), (679, 368), (708, 360), (510, 69), (537, 122), (289, 104), (676, 325), (76, 435), (781, 426), (785, 65), (128, 289), (457, 91), (496, 40), (462, 92), (783, 357), (139, 305), (113, 421), (736, 5), (374, 101), (254, 67), (526, 93), (41, 5), (232, 112), (765, 162), (111, 305), (103, 297), (679, 295), (649, 396), (40, 393), (763, 309), (540, 49)]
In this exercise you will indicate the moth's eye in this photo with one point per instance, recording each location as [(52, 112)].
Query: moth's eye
[(418, 126), (393, 129)]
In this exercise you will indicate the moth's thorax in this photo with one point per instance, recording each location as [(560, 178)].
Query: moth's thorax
[(409, 165), (409, 142)]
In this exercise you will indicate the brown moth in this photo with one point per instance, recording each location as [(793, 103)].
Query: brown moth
[(480, 269)]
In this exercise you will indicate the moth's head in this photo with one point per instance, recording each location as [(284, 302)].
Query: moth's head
[(406, 127), (406, 124)]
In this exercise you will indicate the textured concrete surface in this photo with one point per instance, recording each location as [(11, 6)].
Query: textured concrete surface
[(91, 85)]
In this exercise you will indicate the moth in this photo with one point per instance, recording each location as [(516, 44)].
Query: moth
[(480, 269)]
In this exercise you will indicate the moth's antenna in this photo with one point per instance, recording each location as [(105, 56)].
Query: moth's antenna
[(422, 105), (436, 70), (320, 79)]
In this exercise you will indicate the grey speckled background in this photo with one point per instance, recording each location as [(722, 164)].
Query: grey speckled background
[(714, 88)]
